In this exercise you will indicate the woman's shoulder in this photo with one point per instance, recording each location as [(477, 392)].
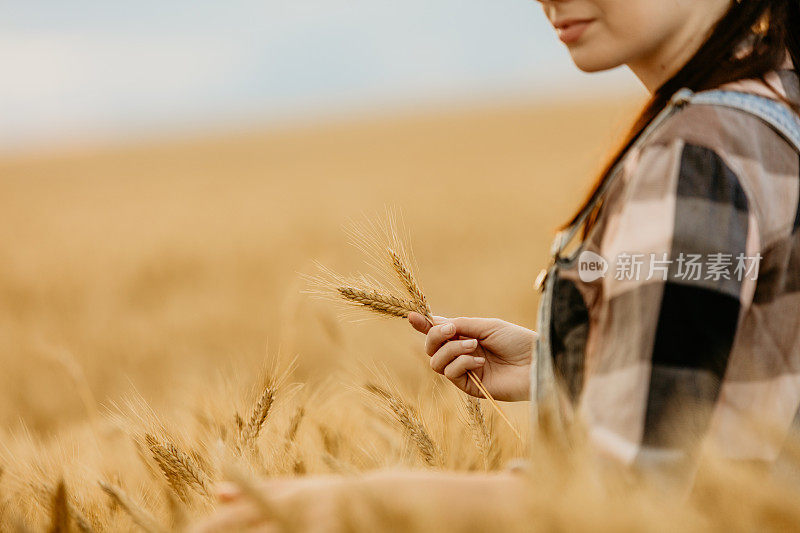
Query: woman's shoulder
[(730, 155), (734, 131)]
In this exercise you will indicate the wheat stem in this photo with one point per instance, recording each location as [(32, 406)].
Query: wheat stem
[(59, 513), (140, 517)]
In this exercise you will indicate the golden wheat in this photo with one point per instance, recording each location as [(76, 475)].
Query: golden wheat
[(178, 468), (481, 432), (410, 422), (140, 516), (409, 281), (385, 304), (258, 416), (177, 512)]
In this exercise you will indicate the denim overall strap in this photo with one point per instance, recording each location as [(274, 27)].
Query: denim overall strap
[(777, 114), (545, 401)]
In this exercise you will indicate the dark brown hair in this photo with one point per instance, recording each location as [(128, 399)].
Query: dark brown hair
[(773, 26)]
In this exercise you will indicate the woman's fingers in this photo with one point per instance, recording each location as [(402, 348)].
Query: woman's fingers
[(437, 336), (421, 323), (456, 370), (450, 351)]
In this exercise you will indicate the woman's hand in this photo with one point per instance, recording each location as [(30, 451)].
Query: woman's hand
[(498, 352)]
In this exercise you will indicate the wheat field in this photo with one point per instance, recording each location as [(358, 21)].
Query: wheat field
[(154, 334)]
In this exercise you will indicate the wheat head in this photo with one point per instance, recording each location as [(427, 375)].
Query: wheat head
[(410, 283), (259, 415), (410, 421), (385, 304), (179, 469)]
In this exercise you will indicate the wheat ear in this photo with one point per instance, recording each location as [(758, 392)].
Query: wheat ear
[(259, 416), (179, 469), (385, 304), (481, 432), (411, 422), (409, 282)]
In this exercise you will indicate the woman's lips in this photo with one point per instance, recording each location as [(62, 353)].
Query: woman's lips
[(569, 31)]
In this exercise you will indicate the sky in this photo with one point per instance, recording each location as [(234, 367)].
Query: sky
[(101, 71)]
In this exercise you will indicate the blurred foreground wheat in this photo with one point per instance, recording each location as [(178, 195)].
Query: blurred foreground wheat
[(154, 472)]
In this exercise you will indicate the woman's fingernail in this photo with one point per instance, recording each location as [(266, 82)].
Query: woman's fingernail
[(479, 360), (448, 329), (470, 343)]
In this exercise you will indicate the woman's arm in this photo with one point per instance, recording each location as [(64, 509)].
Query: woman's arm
[(322, 504)]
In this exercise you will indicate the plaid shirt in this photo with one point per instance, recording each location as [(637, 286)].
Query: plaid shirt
[(696, 347)]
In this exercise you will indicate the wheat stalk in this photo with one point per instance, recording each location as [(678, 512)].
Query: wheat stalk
[(177, 513), (140, 517), (59, 512), (78, 517)]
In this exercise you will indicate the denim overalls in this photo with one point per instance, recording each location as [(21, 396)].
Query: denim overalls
[(550, 405)]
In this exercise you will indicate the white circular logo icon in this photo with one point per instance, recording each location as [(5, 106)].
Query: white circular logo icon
[(591, 266)]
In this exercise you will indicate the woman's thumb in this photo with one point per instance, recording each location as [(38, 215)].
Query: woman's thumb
[(421, 323)]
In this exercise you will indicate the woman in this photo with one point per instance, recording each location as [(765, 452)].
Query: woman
[(675, 321)]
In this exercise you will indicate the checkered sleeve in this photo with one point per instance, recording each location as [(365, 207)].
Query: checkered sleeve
[(670, 302)]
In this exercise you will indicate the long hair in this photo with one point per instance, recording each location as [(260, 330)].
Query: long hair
[(771, 26)]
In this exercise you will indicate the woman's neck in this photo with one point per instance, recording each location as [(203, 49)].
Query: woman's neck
[(656, 66)]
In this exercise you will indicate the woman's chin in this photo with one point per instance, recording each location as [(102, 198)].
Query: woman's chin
[(593, 63)]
